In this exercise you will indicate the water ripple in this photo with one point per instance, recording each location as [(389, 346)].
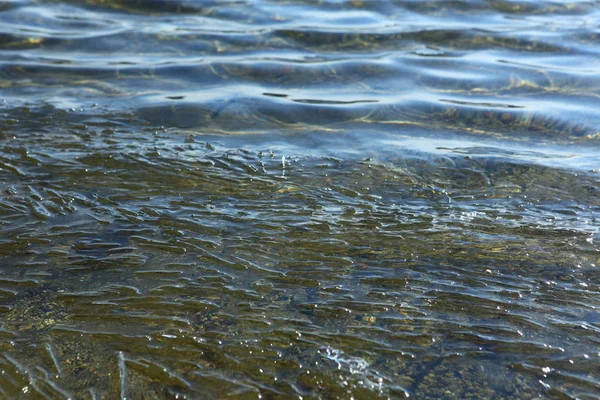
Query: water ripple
[(334, 199)]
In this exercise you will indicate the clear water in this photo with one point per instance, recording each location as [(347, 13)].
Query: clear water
[(299, 199)]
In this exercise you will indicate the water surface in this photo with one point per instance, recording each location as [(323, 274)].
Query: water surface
[(299, 199)]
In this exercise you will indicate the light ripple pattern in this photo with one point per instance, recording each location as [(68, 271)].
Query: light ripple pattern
[(299, 199)]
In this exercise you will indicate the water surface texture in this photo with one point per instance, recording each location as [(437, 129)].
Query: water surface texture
[(310, 199)]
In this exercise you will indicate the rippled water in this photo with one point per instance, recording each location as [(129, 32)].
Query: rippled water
[(299, 199)]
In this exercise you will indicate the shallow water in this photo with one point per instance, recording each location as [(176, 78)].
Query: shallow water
[(299, 199)]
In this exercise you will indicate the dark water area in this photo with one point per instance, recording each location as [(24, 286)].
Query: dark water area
[(309, 199)]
